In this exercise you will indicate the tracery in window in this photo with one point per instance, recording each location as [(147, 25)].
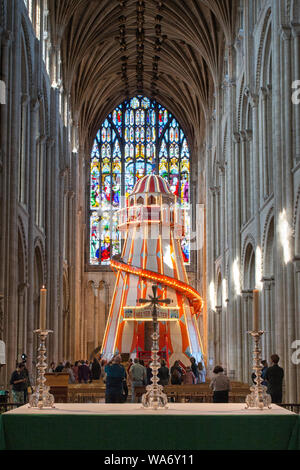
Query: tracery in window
[(139, 137)]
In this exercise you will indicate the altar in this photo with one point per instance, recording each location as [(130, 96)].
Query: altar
[(183, 426)]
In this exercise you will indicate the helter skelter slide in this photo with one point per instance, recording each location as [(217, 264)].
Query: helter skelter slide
[(152, 225)]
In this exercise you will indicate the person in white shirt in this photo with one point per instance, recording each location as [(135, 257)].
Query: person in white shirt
[(220, 384)]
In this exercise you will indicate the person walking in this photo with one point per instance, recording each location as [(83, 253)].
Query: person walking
[(274, 378), (138, 377), (220, 384), (18, 381)]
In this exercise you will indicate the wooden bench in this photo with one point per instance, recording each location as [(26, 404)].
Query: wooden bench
[(93, 392), (58, 383), (200, 393)]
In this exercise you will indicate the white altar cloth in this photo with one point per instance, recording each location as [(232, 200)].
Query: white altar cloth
[(136, 409)]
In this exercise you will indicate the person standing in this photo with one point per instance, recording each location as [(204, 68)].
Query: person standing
[(19, 383), (189, 377), (68, 370), (96, 369), (220, 384), (176, 374), (263, 374), (115, 376), (274, 378), (51, 369), (75, 371), (202, 372), (163, 374), (138, 377), (84, 373), (59, 368), (194, 368)]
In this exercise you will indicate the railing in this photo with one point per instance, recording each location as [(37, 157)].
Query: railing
[(4, 407), (293, 407)]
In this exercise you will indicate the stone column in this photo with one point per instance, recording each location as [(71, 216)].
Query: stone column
[(237, 235), (4, 177), (245, 327), (21, 330), (62, 176), (217, 333), (48, 243), (13, 117), (267, 316), (297, 312), (296, 108), (289, 201), (264, 167), (222, 176), (54, 229), (278, 179), (34, 109)]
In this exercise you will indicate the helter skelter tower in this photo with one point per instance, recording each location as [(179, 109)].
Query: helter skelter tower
[(152, 227)]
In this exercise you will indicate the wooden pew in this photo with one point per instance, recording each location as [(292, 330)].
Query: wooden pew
[(93, 392), (58, 383), (200, 393)]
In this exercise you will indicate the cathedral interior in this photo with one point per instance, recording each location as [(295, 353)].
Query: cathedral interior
[(96, 94)]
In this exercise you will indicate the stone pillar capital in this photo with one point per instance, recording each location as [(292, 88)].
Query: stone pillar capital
[(41, 139), (7, 38), (263, 93), (236, 137), (50, 141), (285, 32), (64, 171), (246, 135), (267, 282), (215, 190), (296, 261), (252, 97), (24, 99), (35, 105), (295, 29), (22, 287), (221, 167)]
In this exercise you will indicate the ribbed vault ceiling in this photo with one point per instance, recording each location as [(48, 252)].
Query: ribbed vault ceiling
[(113, 49)]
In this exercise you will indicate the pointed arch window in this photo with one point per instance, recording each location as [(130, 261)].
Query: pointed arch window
[(138, 138)]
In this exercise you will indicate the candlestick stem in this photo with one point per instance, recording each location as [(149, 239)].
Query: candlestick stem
[(258, 398), (41, 397)]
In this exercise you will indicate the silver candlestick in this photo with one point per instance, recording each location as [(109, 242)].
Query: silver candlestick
[(258, 398), (154, 397), (41, 397)]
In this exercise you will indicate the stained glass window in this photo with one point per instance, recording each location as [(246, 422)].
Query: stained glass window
[(138, 138)]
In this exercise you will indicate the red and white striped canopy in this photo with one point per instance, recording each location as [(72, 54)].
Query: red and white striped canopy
[(152, 184)]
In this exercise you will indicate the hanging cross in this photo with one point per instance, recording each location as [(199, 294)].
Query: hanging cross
[(154, 301)]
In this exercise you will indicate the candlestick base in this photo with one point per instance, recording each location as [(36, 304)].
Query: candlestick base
[(258, 398), (41, 398)]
